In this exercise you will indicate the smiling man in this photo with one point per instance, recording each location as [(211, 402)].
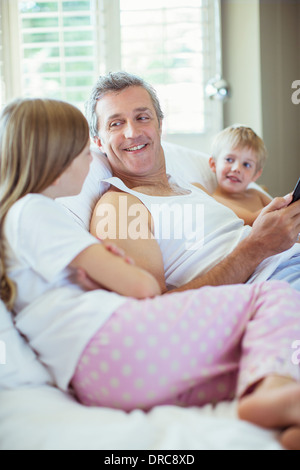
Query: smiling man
[(131, 133), (126, 123)]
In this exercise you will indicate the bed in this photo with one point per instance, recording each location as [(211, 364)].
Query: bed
[(36, 415)]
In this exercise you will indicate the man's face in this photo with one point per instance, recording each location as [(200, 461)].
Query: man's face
[(129, 132)]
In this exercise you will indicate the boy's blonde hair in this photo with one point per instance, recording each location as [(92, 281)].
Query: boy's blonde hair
[(241, 137), (39, 139)]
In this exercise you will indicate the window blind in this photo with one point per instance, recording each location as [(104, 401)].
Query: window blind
[(170, 43), (60, 48)]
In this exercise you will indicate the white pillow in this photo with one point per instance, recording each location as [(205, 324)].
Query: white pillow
[(189, 165), (19, 365), (181, 162)]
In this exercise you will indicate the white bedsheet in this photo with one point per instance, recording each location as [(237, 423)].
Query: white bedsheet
[(45, 419)]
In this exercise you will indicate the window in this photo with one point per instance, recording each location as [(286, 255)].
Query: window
[(168, 43), (1, 62), (59, 48), (63, 45)]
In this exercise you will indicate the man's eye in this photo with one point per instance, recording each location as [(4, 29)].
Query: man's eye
[(143, 118), (115, 124)]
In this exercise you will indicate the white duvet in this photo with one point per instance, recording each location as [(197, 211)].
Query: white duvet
[(46, 419)]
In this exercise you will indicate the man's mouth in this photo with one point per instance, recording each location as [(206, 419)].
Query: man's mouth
[(135, 149)]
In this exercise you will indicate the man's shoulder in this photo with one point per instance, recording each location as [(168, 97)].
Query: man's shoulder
[(115, 197)]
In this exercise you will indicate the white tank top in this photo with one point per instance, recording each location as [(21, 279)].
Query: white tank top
[(194, 231)]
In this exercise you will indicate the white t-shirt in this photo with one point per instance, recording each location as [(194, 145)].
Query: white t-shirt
[(56, 315)]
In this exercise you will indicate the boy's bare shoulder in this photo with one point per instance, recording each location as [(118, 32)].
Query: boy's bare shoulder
[(262, 196), (253, 193)]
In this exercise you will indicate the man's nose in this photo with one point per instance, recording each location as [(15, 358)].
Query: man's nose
[(131, 130)]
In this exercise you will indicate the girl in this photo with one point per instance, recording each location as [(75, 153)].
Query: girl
[(188, 348)]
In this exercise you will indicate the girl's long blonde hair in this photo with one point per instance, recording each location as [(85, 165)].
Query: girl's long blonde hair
[(39, 139)]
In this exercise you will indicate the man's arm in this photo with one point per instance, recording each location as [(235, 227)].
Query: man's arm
[(122, 219), (274, 231), (236, 268)]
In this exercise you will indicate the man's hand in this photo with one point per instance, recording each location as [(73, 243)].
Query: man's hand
[(275, 231), (277, 228)]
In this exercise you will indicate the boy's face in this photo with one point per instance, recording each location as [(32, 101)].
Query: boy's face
[(236, 169)]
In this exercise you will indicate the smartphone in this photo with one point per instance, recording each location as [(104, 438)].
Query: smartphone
[(296, 194)]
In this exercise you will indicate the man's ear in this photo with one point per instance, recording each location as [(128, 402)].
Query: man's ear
[(160, 127), (258, 175), (213, 165), (97, 141)]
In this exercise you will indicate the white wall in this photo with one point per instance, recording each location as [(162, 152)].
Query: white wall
[(241, 62), (261, 43)]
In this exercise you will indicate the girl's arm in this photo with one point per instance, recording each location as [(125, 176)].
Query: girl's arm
[(113, 273)]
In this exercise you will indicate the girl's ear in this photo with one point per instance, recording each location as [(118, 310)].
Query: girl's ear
[(213, 165), (258, 175)]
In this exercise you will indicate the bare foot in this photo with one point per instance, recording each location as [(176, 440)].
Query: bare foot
[(275, 404), (290, 439)]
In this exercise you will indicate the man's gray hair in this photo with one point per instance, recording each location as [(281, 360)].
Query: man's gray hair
[(116, 82)]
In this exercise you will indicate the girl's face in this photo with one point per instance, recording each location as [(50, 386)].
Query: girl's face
[(71, 181), (235, 169)]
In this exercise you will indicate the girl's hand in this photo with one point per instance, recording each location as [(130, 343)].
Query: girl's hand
[(112, 248), (83, 280), (89, 284)]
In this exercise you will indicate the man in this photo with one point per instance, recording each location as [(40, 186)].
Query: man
[(126, 124)]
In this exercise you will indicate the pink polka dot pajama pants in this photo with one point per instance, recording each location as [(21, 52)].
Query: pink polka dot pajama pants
[(191, 348)]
